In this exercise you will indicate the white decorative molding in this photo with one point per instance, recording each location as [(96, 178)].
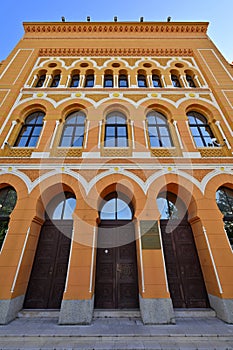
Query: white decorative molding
[(54, 134), (92, 259), (178, 134), (20, 261), (191, 154), (212, 260), (14, 122), (70, 254), (222, 133), (141, 258), (40, 154)]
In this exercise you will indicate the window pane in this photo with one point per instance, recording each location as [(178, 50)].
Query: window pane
[(57, 214), (22, 142), (110, 131), (121, 131), (108, 211), (66, 141), (33, 141), (153, 131), (163, 131), (79, 131), (70, 204), (123, 210), (36, 131), (26, 130), (68, 130), (110, 142), (163, 208), (166, 142), (205, 131), (154, 142), (122, 142), (78, 141), (199, 142), (194, 131)]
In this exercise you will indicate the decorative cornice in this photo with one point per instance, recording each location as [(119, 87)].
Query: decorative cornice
[(113, 52), (119, 27)]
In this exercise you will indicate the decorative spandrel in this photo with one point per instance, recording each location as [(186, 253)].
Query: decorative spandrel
[(150, 234)]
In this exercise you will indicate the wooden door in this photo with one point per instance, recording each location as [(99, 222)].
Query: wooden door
[(185, 279), (116, 267), (48, 276)]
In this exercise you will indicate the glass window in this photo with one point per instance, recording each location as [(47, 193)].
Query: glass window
[(156, 81), (175, 81), (142, 81), (170, 206), (8, 199), (123, 81), (108, 81), (116, 133), (89, 83), (56, 80), (41, 81), (30, 131), (116, 209), (73, 130), (64, 207), (190, 81), (75, 80), (158, 130), (224, 199), (200, 130)]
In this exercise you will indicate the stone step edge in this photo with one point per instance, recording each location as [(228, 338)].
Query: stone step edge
[(184, 313), (116, 314)]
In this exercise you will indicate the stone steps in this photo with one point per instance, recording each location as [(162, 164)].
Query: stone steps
[(183, 313)]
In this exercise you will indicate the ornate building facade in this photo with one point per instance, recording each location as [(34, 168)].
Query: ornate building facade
[(116, 183)]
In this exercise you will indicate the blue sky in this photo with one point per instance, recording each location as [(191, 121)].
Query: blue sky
[(218, 13)]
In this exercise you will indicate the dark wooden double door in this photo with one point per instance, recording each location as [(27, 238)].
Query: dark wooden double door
[(48, 275), (116, 284), (185, 279)]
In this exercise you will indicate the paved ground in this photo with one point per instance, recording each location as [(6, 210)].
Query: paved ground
[(113, 333)]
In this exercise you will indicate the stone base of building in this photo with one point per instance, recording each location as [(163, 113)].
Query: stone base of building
[(9, 309), (156, 311), (222, 307), (76, 311)]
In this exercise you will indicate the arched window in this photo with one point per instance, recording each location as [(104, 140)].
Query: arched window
[(64, 207), (158, 130), (56, 80), (200, 129), (224, 198), (190, 81), (123, 81), (41, 80), (73, 130), (75, 80), (142, 81), (108, 81), (175, 80), (8, 199), (156, 81), (116, 207), (170, 206), (30, 131), (116, 134), (89, 82)]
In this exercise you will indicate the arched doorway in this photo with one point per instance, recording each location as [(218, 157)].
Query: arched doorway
[(48, 275), (8, 198), (184, 274), (116, 284)]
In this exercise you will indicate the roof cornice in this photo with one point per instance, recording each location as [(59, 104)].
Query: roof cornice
[(115, 27)]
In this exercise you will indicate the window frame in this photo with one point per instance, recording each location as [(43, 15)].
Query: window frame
[(120, 80), (74, 127), (56, 80), (108, 78), (199, 126), (116, 127), (158, 79), (42, 79), (89, 78), (33, 126), (72, 85), (158, 127), (175, 81), (144, 80)]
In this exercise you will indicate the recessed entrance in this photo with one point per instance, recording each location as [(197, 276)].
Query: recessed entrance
[(116, 267), (185, 279), (48, 276)]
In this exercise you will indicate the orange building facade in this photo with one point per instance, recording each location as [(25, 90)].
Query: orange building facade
[(116, 182)]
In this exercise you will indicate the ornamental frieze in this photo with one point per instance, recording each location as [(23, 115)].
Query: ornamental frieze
[(114, 52), (115, 28)]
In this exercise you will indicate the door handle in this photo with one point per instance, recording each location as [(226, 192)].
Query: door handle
[(118, 268), (50, 270)]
